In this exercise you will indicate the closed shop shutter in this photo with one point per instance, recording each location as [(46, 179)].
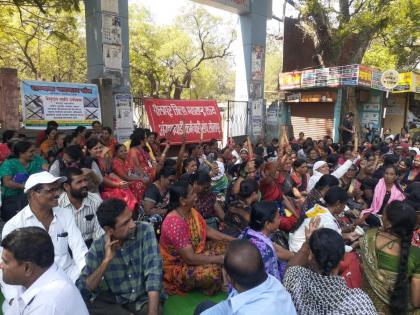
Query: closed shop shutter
[(316, 120)]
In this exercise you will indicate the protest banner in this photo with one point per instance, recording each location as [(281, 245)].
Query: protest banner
[(168, 117), (69, 104)]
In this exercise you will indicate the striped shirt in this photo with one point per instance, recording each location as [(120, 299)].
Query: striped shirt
[(85, 216)]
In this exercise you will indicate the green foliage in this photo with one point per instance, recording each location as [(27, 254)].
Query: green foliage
[(44, 6), (190, 57), (273, 66), (344, 30), (378, 56), (43, 46), (398, 46)]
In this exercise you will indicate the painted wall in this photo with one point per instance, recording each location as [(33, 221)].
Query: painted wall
[(395, 106)]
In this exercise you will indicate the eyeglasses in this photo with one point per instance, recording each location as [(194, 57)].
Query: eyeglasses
[(50, 190)]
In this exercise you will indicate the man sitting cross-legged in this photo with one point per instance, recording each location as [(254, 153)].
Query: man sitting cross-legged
[(123, 267)]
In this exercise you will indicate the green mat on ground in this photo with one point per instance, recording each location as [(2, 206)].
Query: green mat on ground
[(185, 305)]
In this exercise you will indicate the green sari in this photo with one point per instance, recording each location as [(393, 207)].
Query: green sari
[(381, 270)]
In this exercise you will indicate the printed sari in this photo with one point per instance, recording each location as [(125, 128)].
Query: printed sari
[(273, 265), (178, 276), (378, 282), (139, 158)]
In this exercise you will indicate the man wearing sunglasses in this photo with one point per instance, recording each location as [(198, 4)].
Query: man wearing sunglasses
[(43, 190)]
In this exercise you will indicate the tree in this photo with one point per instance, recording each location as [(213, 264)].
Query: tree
[(343, 31), (397, 46), (43, 46), (189, 55), (43, 5), (208, 43), (273, 65)]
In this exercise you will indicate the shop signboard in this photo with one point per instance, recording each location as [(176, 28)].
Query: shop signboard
[(365, 76), (334, 77), (169, 118), (290, 80), (69, 104), (308, 78), (348, 75), (416, 82), (376, 80), (405, 83)]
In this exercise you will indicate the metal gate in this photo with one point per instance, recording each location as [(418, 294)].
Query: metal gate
[(237, 118)]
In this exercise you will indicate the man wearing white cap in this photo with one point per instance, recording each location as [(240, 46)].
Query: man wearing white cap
[(43, 190), (322, 168)]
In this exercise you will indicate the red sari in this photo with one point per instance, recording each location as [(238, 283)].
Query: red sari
[(4, 151), (120, 168), (139, 158), (113, 192)]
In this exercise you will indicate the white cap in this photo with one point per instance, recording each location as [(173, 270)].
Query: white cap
[(42, 178), (414, 149), (319, 164)]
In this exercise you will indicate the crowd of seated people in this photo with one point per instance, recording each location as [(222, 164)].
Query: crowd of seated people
[(314, 227)]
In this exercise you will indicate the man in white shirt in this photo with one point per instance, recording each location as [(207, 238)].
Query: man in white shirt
[(82, 203), (28, 261), (254, 291), (43, 190)]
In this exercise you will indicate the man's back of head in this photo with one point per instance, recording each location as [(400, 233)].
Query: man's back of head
[(244, 265)]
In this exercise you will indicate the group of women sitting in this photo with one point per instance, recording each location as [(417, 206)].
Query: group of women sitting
[(206, 197)]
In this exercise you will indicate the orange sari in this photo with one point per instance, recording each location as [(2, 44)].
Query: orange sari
[(179, 277)]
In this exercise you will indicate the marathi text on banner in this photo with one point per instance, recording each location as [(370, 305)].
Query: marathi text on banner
[(171, 117), (69, 104)]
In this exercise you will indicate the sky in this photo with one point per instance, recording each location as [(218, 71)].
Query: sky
[(164, 11)]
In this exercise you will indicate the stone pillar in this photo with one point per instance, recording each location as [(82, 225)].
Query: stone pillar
[(250, 64), (107, 101), (9, 99), (107, 45)]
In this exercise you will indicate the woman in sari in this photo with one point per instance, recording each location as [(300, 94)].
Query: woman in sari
[(265, 220), (119, 167), (414, 173), (207, 204), (139, 164), (50, 143), (5, 151), (391, 263), (350, 183), (80, 135), (300, 178), (108, 140), (13, 174), (239, 209), (113, 186), (189, 168), (386, 191), (271, 191), (156, 195), (192, 252)]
